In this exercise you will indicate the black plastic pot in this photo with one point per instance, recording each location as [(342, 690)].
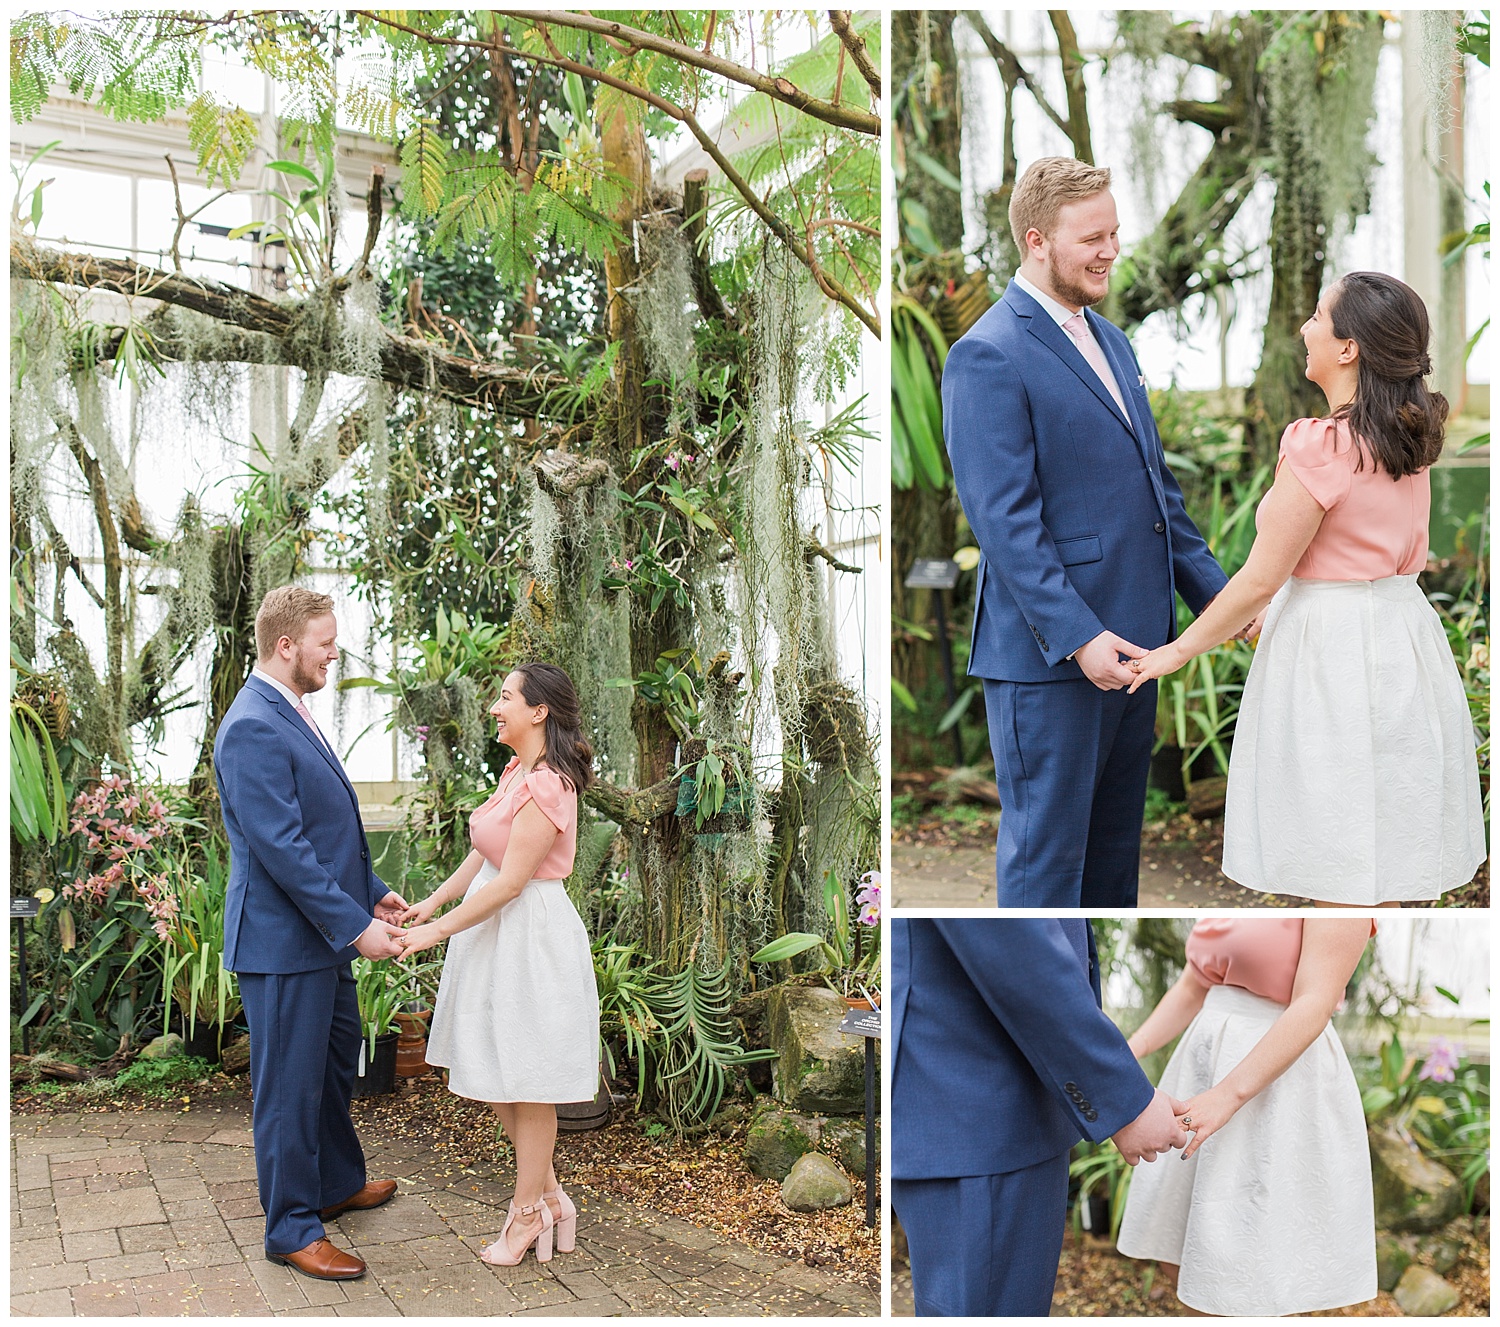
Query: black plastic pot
[(205, 1041), (380, 1073)]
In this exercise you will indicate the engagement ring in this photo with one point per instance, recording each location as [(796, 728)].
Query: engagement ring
[(1186, 1120)]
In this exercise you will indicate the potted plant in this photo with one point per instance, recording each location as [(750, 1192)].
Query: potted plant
[(194, 979), (418, 993), (379, 995)]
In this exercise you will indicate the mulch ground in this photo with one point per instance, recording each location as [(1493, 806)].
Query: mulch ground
[(1094, 1281), (701, 1179)]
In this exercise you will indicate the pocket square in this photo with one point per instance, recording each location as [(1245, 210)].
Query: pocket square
[(1142, 380)]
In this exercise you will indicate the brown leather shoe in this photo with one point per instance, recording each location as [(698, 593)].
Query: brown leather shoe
[(372, 1195), (323, 1261)]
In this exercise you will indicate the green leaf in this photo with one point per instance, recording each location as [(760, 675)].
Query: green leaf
[(937, 170), (787, 946)]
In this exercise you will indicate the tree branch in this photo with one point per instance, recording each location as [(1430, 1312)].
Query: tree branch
[(405, 362), (831, 286), (855, 44), (1214, 116), (1077, 94), (1011, 68), (778, 89), (633, 806)]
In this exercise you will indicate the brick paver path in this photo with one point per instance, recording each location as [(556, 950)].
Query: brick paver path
[(155, 1212)]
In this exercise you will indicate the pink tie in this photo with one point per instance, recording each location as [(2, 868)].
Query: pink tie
[(304, 712), (1077, 327)]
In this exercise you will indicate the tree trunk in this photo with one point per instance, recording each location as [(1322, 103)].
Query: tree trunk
[(939, 134)]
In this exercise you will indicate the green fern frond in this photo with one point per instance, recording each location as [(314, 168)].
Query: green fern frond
[(424, 167), (223, 137)]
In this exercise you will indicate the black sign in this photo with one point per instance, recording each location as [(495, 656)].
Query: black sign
[(24, 907), (932, 574), (861, 1023)]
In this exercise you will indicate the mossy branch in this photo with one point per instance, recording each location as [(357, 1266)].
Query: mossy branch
[(633, 806), (405, 361)]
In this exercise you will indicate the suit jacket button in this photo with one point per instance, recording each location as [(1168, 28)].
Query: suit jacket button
[(363, 855), (1070, 1087), (1091, 1115), (1160, 527)]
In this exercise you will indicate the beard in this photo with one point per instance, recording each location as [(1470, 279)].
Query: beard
[(1068, 291), (305, 676)]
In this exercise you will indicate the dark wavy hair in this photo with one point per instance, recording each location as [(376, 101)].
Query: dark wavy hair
[(1393, 415), (567, 750)]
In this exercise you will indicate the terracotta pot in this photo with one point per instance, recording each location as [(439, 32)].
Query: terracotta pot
[(857, 1002), (411, 1046)]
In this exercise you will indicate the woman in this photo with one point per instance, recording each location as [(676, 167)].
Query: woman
[(517, 1017), (1353, 779), (1271, 1210)]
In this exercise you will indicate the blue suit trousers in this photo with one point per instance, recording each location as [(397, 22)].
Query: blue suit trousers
[(1071, 764), (985, 1246), (304, 1052)]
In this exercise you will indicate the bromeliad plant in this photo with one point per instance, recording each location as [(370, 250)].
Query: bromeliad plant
[(676, 1029)]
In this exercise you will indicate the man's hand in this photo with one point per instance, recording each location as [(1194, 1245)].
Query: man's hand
[(1156, 1129), (1252, 632), (379, 940), (392, 908), (1100, 660)]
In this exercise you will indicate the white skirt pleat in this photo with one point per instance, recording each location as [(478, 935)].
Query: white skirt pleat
[(517, 1015), (1275, 1214), (1353, 776)]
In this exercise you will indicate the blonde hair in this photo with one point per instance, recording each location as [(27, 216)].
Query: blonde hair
[(286, 611), (1044, 187)]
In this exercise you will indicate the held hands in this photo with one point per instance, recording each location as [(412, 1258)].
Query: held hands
[(418, 938), (421, 912), (379, 940), (1155, 1130), (1205, 1114), (1100, 660), (1159, 662), (392, 908)]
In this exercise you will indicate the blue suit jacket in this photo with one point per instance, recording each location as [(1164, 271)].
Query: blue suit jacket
[(301, 887), (1001, 1056), (1080, 524)]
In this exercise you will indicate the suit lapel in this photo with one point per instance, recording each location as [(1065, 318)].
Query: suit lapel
[(1062, 345), (301, 726)]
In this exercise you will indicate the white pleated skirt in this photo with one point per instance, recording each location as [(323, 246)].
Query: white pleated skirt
[(517, 1014), (1353, 777), (1275, 1213)]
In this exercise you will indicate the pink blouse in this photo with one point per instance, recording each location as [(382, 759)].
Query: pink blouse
[(489, 826), (1259, 955), (1374, 526)]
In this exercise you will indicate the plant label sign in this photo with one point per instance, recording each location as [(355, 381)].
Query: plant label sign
[(24, 907), (861, 1023), (932, 574)]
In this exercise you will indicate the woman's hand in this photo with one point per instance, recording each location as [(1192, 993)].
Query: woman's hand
[(421, 912), (1206, 1114), (1159, 662), (419, 938)]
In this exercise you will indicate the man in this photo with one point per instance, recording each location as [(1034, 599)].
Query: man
[(1001, 1059), (1085, 545), (302, 900)]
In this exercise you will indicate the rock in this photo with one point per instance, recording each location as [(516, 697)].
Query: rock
[(816, 1183), (237, 1056), (777, 1138), (819, 1070), (845, 1139), (1392, 1258), (1411, 1191), (1422, 1293), (1442, 1250), (164, 1047)]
